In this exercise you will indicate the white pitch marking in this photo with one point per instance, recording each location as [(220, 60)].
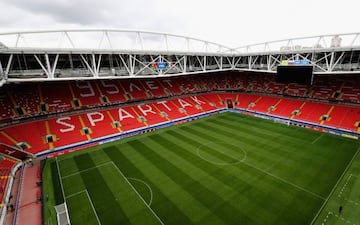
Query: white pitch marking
[(148, 186), (314, 141), (287, 182), (64, 159), (88, 196), (345, 185), (351, 201), (92, 205), (236, 161), (85, 170), (157, 217), (337, 216), (333, 189), (76, 193), (60, 178)]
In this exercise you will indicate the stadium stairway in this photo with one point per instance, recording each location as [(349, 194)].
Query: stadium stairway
[(87, 92), (135, 89), (296, 90), (57, 96), (312, 112), (265, 104), (112, 90), (286, 107), (244, 100), (344, 117), (214, 99), (156, 88)]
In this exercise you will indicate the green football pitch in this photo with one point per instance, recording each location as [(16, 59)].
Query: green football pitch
[(224, 169)]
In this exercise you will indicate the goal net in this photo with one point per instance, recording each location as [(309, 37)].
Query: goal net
[(62, 214)]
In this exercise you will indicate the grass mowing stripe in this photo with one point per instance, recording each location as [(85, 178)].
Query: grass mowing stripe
[(58, 193), (215, 137), (333, 189), (263, 198), (228, 213), (147, 205), (271, 149), (308, 156), (287, 182), (102, 196), (242, 132), (86, 170), (125, 194), (81, 210), (195, 209), (92, 206), (246, 163), (221, 174), (275, 141), (74, 194), (205, 134), (273, 155), (161, 204), (290, 132), (277, 190), (60, 180), (73, 185)]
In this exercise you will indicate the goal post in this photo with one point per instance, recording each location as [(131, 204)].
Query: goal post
[(62, 214)]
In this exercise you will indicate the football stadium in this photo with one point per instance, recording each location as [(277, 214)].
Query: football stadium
[(109, 127)]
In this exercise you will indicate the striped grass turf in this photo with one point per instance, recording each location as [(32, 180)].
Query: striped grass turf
[(224, 169)]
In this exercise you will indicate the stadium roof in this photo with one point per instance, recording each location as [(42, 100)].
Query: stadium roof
[(146, 41), (332, 41), (108, 39)]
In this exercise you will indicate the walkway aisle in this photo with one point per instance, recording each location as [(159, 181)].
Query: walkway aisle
[(30, 208)]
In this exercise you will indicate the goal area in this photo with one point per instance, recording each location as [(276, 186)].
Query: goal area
[(62, 214)]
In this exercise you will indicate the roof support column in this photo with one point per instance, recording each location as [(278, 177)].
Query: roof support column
[(45, 69), (54, 66), (205, 62), (6, 74), (1, 70), (132, 65), (330, 66), (185, 64), (48, 66), (87, 65)]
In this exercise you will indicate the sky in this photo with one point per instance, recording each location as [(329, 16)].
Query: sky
[(233, 23)]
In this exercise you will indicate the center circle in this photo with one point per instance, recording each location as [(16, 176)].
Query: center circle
[(218, 150)]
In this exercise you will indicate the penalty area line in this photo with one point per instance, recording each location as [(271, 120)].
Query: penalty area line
[(86, 170), (142, 199), (92, 206), (148, 187)]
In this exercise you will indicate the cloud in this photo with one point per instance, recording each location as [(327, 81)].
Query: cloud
[(229, 22), (107, 13), (80, 12)]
